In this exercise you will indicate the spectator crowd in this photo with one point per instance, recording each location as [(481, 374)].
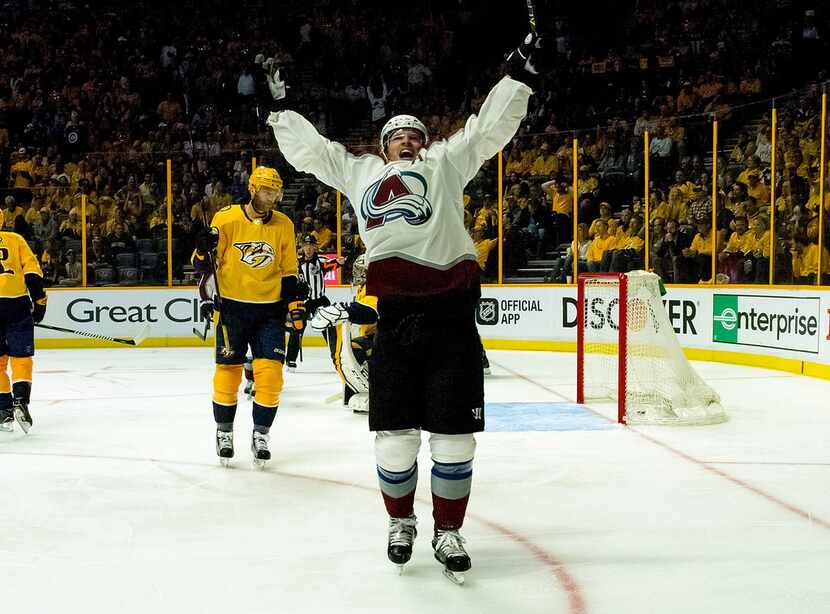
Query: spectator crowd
[(94, 104)]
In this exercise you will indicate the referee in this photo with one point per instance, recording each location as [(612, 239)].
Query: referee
[(312, 269)]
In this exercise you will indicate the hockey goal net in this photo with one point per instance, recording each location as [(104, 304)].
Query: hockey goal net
[(627, 352)]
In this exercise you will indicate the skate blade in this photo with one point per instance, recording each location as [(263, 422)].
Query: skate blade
[(225, 462), (455, 577), (487, 371), (260, 463), (18, 415), (7, 427)]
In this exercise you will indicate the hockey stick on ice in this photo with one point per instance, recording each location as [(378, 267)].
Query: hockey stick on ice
[(83, 333)]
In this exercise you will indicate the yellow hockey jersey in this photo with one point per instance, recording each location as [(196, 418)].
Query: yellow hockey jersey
[(253, 256), (369, 301), (16, 260)]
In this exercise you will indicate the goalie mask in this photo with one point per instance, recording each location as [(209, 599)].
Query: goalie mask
[(397, 123), (359, 270)]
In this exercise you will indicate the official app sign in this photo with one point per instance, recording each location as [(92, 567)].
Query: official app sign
[(488, 312), (779, 322)]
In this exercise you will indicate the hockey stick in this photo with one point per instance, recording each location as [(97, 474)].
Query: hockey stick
[(531, 14), (135, 341), (220, 326), (202, 335)]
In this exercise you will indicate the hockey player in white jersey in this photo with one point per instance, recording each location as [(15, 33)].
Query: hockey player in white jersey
[(425, 371)]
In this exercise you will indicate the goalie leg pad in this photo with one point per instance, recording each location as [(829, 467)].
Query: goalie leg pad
[(269, 381)]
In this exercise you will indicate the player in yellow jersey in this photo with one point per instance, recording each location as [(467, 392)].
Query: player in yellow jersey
[(349, 354), (22, 304), (252, 249)]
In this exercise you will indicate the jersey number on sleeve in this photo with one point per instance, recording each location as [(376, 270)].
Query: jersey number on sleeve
[(4, 255)]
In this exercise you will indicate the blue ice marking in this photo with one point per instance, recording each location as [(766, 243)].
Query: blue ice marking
[(520, 417)]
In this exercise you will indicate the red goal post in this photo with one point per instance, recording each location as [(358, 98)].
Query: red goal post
[(628, 352), (622, 281)]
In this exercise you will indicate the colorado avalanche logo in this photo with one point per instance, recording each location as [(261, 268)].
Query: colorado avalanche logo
[(396, 195), (256, 254)]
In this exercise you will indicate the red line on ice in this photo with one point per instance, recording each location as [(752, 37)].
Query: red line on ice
[(708, 467)]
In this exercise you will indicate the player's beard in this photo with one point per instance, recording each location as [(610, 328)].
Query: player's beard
[(261, 208)]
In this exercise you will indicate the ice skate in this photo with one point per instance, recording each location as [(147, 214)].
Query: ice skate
[(449, 551), (224, 447), (21, 414), (485, 362), (6, 420), (259, 448), (291, 366), (402, 534)]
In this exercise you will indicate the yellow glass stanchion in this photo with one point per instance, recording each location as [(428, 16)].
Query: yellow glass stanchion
[(714, 198), (501, 216), (83, 240), (169, 223), (772, 198), (646, 182), (339, 234), (821, 188), (575, 243)]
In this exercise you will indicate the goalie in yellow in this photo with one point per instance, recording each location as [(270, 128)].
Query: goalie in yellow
[(22, 304), (251, 251)]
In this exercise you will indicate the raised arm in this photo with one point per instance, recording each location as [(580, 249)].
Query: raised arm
[(487, 133), (308, 151)]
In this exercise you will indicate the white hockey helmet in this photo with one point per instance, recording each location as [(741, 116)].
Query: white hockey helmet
[(359, 270), (398, 122)]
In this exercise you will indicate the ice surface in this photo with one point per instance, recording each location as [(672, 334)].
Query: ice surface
[(115, 503)]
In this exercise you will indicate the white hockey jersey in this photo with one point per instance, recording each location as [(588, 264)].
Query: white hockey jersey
[(410, 212)]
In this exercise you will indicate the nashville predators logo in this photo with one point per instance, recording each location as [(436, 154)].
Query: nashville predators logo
[(256, 254), (394, 196)]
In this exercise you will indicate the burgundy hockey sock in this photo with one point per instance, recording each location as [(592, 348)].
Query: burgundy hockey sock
[(451, 484), (398, 490)]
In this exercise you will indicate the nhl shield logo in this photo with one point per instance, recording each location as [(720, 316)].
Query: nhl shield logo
[(256, 254), (396, 195)]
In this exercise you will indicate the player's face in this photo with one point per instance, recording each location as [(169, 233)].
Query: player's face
[(404, 144), (266, 199)]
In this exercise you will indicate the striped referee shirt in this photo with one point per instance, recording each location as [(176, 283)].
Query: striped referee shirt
[(313, 271)]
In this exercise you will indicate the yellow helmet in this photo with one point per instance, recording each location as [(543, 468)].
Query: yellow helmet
[(264, 177)]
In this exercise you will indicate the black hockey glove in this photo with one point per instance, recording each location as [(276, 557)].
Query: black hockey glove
[(525, 62), (206, 240), (39, 310), (34, 284), (206, 309), (297, 315)]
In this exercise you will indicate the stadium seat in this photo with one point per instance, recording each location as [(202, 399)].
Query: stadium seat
[(145, 246), (148, 264), (127, 275), (104, 275), (125, 259)]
